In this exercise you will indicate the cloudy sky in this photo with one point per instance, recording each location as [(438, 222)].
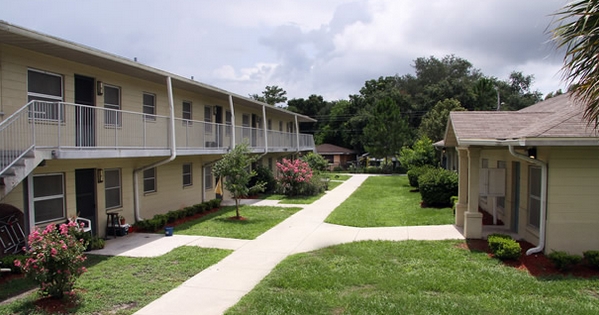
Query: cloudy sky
[(324, 47)]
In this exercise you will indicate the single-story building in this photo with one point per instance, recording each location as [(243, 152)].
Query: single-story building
[(535, 169), (336, 155)]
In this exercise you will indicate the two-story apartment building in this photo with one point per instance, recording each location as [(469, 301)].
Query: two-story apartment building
[(84, 132)]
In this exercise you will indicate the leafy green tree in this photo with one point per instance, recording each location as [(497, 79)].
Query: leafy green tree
[(422, 153), (485, 92), (576, 30), (434, 121), (271, 95), (234, 167), (386, 130), (316, 162), (315, 106)]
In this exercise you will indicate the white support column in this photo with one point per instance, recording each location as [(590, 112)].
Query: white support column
[(232, 109), (297, 137), (473, 219), (462, 204)]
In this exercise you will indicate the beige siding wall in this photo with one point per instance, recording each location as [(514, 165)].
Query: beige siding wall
[(170, 193), (573, 216), (507, 213)]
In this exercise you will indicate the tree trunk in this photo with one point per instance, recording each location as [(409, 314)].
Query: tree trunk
[(237, 207)]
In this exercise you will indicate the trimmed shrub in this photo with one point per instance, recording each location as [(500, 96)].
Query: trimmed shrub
[(592, 257), (215, 203), (504, 247), (263, 175), (172, 216), (564, 261), (437, 186), (415, 172), (338, 169), (8, 261), (495, 241), (510, 250), (96, 243)]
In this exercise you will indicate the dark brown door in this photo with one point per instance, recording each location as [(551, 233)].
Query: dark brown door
[(85, 191), (84, 115)]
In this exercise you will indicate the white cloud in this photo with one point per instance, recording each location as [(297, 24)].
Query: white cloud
[(306, 47)]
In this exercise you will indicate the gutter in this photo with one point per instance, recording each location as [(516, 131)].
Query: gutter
[(136, 171), (543, 214)]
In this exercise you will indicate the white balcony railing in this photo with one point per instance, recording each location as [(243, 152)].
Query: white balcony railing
[(66, 126)]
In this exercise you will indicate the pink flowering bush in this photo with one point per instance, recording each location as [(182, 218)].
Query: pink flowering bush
[(54, 258), (297, 179)]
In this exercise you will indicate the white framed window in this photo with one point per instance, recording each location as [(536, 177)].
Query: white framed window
[(46, 87), (113, 188), (187, 176), (269, 124), (228, 123), (48, 198), (208, 178), (534, 196), (150, 180), (280, 126), (208, 119), (149, 106), (112, 102), (186, 113)]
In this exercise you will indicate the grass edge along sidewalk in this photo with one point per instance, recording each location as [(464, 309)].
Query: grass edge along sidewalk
[(383, 201), (411, 277)]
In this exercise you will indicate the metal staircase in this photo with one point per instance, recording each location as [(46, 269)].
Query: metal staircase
[(19, 168), (17, 150)]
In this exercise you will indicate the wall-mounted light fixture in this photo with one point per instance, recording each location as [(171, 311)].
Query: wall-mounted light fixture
[(532, 153), (100, 87), (100, 175)]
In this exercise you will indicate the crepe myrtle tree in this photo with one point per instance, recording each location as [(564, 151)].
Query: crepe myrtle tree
[(234, 168)]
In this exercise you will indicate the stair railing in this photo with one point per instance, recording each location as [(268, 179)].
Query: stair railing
[(17, 137)]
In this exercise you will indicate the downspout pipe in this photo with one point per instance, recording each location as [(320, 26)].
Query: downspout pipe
[(543, 214), (171, 104)]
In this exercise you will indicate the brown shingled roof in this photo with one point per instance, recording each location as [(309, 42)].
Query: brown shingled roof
[(331, 149), (556, 118)]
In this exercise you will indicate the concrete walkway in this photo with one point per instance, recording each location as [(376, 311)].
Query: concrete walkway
[(220, 286)]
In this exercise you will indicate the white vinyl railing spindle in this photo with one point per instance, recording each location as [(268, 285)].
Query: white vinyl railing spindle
[(65, 126)]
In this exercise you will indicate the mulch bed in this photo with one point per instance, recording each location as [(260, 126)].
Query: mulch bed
[(537, 265)]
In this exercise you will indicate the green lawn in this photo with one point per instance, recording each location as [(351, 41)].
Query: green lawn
[(304, 200), (333, 176), (411, 277), (123, 285), (257, 221), (387, 201)]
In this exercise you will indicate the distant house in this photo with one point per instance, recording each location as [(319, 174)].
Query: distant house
[(336, 155), (536, 170)]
